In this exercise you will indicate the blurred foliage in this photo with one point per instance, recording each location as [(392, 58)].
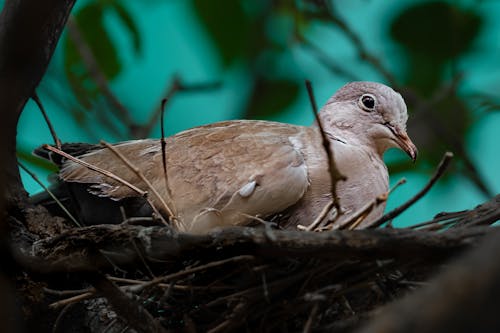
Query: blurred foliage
[(446, 32), (240, 31), (90, 23), (433, 36)]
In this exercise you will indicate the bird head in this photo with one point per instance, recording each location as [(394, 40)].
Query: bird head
[(370, 112)]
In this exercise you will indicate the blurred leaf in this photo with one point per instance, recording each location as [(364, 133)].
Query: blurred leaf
[(227, 24), (439, 30), (94, 36), (38, 162), (127, 20), (90, 20), (270, 97), (486, 102)]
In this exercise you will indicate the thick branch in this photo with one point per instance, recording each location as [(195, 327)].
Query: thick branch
[(464, 298), (119, 245), (29, 31)]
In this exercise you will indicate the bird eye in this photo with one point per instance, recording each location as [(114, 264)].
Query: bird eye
[(367, 102)]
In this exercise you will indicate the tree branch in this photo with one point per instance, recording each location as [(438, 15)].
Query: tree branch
[(29, 31)]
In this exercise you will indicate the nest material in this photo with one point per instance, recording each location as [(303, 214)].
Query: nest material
[(254, 279)]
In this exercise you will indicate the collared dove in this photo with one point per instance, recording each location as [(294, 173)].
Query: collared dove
[(230, 173)]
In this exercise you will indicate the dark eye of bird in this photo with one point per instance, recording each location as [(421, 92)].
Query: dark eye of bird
[(368, 102)]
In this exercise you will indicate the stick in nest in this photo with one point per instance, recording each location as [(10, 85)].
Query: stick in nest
[(361, 214), (164, 151), (106, 173), (96, 169), (46, 189), (38, 102), (141, 176), (443, 165), (332, 167)]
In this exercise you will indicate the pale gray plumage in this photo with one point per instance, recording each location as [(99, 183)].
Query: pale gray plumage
[(224, 173)]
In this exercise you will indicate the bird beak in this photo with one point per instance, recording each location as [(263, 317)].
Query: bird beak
[(406, 144)]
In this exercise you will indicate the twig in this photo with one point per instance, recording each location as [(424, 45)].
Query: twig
[(71, 300), (141, 257), (96, 169), (129, 310), (310, 319), (443, 165), (60, 316), (67, 292), (439, 218), (46, 189), (332, 167), (174, 87), (177, 275), (141, 176), (165, 285), (359, 216), (38, 102), (163, 147), (319, 218)]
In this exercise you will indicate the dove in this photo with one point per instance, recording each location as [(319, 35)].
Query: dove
[(233, 173)]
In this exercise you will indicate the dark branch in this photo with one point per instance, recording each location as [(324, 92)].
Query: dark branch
[(464, 298), (335, 174), (443, 165), (29, 32)]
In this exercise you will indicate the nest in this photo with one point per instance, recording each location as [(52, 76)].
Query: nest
[(126, 278)]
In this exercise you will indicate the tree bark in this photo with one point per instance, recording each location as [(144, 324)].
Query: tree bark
[(29, 32)]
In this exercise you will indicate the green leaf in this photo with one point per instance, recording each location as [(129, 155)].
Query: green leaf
[(90, 23), (438, 30), (90, 20), (129, 23), (271, 97), (35, 161), (227, 24)]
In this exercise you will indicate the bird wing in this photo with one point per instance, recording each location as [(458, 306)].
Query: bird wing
[(218, 174)]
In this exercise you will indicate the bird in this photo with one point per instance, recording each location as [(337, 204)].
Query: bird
[(234, 173)]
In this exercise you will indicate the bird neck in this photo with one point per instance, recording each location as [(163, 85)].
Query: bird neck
[(350, 132)]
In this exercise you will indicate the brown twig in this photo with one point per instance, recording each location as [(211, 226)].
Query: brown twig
[(309, 323), (443, 165), (359, 216), (38, 102), (318, 218), (71, 300), (188, 271), (141, 176), (46, 189), (60, 317), (332, 167), (163, 147), (175, 86), (133, 313), (96, 169)]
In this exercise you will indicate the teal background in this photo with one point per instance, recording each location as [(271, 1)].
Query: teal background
[(174, 40)]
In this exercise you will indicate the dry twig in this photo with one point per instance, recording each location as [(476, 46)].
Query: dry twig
[(443, 165), (141, 176), (38, 102), (46, 189), (335, 174)]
